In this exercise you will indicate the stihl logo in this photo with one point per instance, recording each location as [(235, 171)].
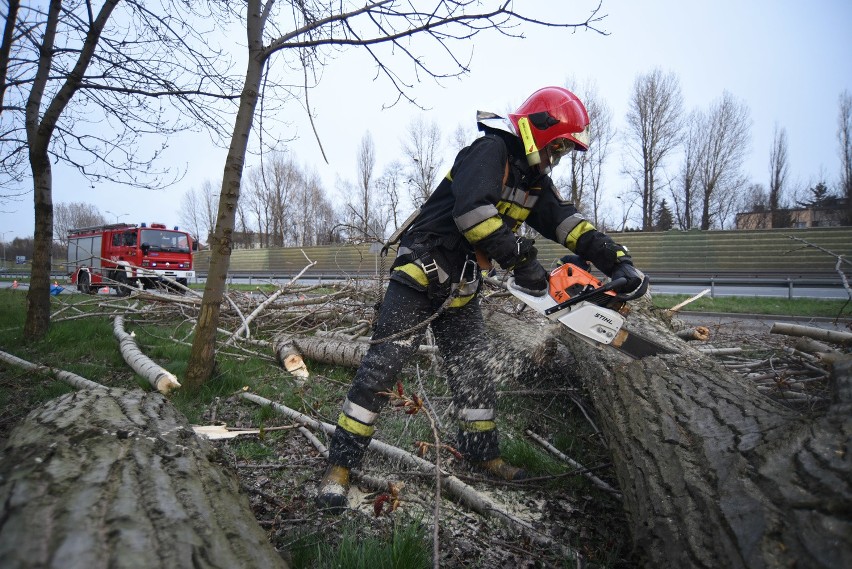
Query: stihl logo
[(604, 318)]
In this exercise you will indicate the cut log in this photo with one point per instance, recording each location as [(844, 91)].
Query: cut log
[(116, 478), (160, 379), (713, 473), (834, 336)]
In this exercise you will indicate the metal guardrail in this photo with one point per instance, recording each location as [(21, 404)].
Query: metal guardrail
[(711, 281), (704, 280)]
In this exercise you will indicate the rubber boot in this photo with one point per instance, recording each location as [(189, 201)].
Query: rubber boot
[(333, 489), (502, 470)]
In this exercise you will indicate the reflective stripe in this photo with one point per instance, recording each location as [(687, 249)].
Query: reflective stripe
[(354, 427), (477, 414), (460, 301), (359, 413), (567, 225), (619, 254), (514, 211), (477, 426), (449, 175), (483, 230), (582, 228), (415, 272), (475, 216), (519, 196)]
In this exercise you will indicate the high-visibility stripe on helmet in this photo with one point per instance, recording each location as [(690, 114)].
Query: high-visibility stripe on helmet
[(476, 414), (477, 426), (354, 427), (483, 230), (360, 414)]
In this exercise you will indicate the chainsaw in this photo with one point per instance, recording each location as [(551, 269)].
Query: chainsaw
[(591, 310)]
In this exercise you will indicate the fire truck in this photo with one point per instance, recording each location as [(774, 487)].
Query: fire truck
[(122, 255)]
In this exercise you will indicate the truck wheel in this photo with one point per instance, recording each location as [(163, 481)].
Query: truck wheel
[(84, 284), (121, 284)]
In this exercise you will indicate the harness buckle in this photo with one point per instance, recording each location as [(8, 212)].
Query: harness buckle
[(431, 269)]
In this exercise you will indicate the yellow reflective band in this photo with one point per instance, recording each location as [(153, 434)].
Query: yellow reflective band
[(482, 230), (620, 253), (478, 426), (354, 427), (582, 228), (460, 301), (514, 211), (415, 272), (527, 135), (449, 175)]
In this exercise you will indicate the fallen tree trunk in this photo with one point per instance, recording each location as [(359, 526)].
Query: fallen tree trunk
[(116, 478), (160, 378), (714, 474)]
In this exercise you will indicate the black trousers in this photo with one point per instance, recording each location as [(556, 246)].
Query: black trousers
[(460, 335)]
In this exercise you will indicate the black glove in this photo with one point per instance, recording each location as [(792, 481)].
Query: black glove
[(531, 278), (576, 260), (633, 275)]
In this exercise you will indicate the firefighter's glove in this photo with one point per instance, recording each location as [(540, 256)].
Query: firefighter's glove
[(531, 278), (633, 275)]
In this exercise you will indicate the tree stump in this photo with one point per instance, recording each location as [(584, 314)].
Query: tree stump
[(715, 474), (117, 478)]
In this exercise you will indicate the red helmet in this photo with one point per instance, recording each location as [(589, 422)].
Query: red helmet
[(555, 117)]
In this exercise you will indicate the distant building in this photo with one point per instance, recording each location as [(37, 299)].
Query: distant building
[(834, 212)]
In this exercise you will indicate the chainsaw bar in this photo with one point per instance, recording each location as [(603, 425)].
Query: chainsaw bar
[(636, 346)]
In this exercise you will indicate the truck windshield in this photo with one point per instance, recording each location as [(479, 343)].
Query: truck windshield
[(159, 240)]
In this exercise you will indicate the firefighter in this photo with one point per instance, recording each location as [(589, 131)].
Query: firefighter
[(495, 185)]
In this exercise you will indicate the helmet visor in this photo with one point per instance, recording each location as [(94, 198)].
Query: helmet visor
[(559, 148)]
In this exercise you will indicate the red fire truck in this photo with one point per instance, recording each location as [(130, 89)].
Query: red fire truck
[(121, 255)]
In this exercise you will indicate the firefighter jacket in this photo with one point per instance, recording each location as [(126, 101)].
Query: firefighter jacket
[(489, 192)]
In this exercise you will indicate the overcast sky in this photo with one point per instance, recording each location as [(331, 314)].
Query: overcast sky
[(787, 60)]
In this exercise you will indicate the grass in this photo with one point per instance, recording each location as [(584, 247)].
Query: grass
[(404, 546), (806, 307)]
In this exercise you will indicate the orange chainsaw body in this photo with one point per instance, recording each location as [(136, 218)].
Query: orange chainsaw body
[(568, 280)]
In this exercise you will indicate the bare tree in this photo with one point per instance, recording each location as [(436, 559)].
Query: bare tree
[(654, 124), (68, 216), (390, 186), (460, 137), (684, 189), (274, 182), (198, 210), (69, 74), (584, 182), (778, 169), (6, 46), (313, 215), (844, 138), (422, 147), (727, 127), (303, 35), (365, 207)]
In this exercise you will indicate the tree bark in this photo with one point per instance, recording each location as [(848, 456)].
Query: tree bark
[(714, 474), (117, 478), (202, 359)]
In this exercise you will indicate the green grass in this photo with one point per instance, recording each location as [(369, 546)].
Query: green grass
[(405, 546), (807, 307)]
